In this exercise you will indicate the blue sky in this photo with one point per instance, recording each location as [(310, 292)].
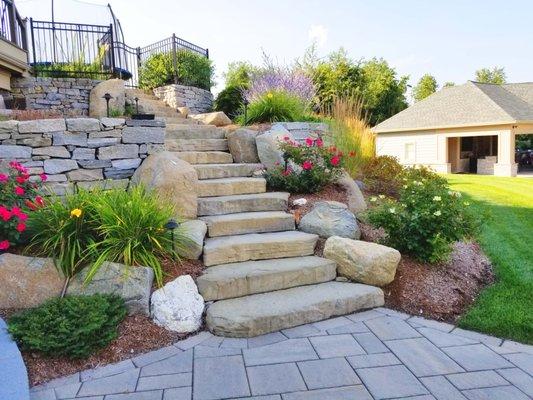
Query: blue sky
[(447, 38)]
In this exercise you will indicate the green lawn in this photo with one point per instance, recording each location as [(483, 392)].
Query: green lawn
[(505, 205)]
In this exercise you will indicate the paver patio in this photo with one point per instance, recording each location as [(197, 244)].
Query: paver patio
[(378, 354)]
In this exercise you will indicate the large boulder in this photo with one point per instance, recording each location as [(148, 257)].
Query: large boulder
[(356, 201), (268, 149), (133, 284), (97, 103), (178, 306), (364, 262), (195, 230), (173, 179), (330, 218), (217, 118), (242, 145), (27, 281)]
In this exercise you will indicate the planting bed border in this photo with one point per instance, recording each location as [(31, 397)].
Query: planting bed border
[(14, 383)]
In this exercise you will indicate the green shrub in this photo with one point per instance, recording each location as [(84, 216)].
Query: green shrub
[(309, 168), (192, 70), (275, 106), (382, 175), (425, 220), (230, 101), (74, 326)]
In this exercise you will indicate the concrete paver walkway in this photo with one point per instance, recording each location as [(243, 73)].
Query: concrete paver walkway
[(377, 354)]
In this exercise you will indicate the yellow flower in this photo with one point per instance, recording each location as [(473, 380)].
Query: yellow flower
[(75, 213), (270, 95)]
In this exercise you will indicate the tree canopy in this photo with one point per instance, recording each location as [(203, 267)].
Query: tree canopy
[(426, 86), (494, 75)]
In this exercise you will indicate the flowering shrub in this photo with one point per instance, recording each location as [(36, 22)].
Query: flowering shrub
[(308, 167), (18, 197), (275, 106), (425, 220)]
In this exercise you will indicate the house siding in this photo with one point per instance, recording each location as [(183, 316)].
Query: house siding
[(394, 144)]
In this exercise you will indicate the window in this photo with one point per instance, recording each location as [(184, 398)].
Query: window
[(410, 152)]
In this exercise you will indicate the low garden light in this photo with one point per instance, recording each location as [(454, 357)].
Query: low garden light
[(107, 97), (245, 102), (170, 226), (136, 105)]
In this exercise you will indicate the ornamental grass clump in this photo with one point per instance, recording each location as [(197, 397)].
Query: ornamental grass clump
[(308, 167), (426, 219)]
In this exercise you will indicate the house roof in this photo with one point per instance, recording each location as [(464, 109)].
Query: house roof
[(471, 104)]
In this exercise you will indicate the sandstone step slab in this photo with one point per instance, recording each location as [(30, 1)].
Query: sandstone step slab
[(249, 222), (206, 157), (230, 186), (196, 144), (258, 314), (218, 171), (243, 279), (271, 201), (258, 246), (188, 131), (181, 120)]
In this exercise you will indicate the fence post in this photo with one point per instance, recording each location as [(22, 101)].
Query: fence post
[(174, 58), (112, 45), (12, 26), (207, 53), (33, 41)]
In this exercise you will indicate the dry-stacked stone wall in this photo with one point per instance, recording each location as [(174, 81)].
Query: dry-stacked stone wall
[(198, 100)]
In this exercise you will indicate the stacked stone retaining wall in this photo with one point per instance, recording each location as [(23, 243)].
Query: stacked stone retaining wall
[(198, 100), (82, 152)]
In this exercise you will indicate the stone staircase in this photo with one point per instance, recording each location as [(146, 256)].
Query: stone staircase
[(261, 273)]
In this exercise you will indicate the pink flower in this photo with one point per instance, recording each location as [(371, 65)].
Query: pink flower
[(309, 142), (43, 177), (39, 200), (21, 227), (319, 142), (287, 172), (19, 191), (286, 138), (22, 179), (5, 214), (4, 245), (22, 216), (307, 165), (335, 160), (4, 178)]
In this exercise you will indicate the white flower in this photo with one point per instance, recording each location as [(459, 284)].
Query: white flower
[(381, 196), (437, 198), (466, 203), (437, 213), (405, 186), (373, 199), (392, 210)]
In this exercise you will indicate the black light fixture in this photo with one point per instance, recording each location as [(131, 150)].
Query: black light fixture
[(136, 105), (245, 102), (107, 97), (170, 226)]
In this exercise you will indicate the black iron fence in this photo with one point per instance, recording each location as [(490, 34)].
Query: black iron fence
[(12, 26), (76, 50)]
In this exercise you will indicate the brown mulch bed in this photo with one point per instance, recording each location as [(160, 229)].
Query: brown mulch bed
[(173, 269), (329, 193)]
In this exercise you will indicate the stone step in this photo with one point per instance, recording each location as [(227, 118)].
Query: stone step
[(181, 120), (205, 157), (189, 131), (249, 222), (217, 171), (230, 186), (258, 314), (271, 201), (196, 144), (251, 277), (258, 246)]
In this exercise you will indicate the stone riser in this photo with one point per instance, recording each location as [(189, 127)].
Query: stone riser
[(206, 157), (272, 201), (253, 222), (219, 171), (194, 132), (230, 249), (230, 186), (196, 145), (268, 312), (253, 277)]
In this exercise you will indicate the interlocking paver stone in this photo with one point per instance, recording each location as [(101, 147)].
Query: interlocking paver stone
[(67, 391), (184, 393), (124, 382), (441, 388), (475, 380), (46, 394), (443, 339), (179, 363), (164, 381), (522, 361), (287, 351), (264, 340), (275, 378), (354, 327), (333, 372), (151, 395), (344, 393), (219, 378), (234, 343), (392, 313), (331, 323), (154, 356), (301, 331), (336, 346), (193, 340), (518, 378), (476, 357), (393, 381), (108, 370), (268, 397), (479, 337), (364, 316), (206, 351), (496, 393), (370, 343), (422, 357), (517, 347), (389, 328), (373, 360), (430, 323)]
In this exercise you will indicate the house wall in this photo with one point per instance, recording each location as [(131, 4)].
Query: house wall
[(13, 62)]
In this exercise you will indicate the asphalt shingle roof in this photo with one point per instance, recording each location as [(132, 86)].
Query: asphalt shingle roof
[(471, 104)]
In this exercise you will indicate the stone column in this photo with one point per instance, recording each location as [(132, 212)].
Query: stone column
[(506, 165)]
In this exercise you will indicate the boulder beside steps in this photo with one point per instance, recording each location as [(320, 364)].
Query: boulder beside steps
[(261, 274)]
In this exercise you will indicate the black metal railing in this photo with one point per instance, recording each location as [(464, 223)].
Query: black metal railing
[(12, 26), (65, 49)]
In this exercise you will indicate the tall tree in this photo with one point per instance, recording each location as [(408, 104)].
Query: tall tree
[(426, 86), (448, 84), (494, 75)]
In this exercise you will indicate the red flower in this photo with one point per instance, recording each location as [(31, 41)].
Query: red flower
[(39, 200), (286, 138), (351, 154), (319, 142), (22, 216), (4, 245), (4, 178), (30, 205), (5, 214), (19, 191), (22, 179), (43, 177), (307, 165), (335, 160), (21, 227), (309, 142)]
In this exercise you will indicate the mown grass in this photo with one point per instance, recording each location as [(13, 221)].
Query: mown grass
[(505, 205)]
